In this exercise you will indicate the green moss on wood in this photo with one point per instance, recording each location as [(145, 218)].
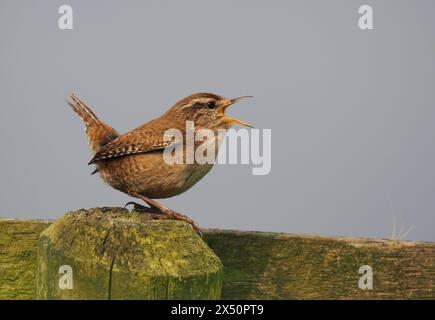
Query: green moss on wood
[(116, 254), (256, 265), (18, 253), (261, 265)]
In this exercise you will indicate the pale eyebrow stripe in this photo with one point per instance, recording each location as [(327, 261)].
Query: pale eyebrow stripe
[(185, 106), (191, 103)]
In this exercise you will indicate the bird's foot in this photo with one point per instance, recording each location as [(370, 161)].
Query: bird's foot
[(172, 215), (160, 212)]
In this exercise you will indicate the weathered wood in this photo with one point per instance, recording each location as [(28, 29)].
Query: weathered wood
[(18, 243), (115, 254), (266, 265), (283, 266)]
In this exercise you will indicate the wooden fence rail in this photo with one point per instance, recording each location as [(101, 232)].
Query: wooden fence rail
[(258, 265)]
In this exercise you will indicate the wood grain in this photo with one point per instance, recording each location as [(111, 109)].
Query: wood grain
[(260, 265)]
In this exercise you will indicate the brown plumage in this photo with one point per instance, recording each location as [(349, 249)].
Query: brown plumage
[(133, 162), (99, 133)]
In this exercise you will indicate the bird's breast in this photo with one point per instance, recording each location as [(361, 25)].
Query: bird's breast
[(150, 175)]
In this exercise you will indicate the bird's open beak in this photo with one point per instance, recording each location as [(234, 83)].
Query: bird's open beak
[(231, 120)]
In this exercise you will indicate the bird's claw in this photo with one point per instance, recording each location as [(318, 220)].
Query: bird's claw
[(161, 213), (181, 217)]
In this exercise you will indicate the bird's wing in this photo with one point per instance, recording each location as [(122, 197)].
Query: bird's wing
[(149, 137)]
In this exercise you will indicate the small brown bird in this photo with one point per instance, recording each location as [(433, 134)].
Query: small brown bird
[(133, 162)]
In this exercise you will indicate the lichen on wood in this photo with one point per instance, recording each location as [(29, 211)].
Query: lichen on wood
[(256, 265), (260, 265), (18, 256), (115, 254)]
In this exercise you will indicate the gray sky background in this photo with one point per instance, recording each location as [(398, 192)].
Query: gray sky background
[(352, 112)]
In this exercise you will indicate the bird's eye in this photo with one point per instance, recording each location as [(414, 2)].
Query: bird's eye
[(211, 104)]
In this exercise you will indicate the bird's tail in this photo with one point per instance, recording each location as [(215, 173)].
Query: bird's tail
[(99, 133)]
